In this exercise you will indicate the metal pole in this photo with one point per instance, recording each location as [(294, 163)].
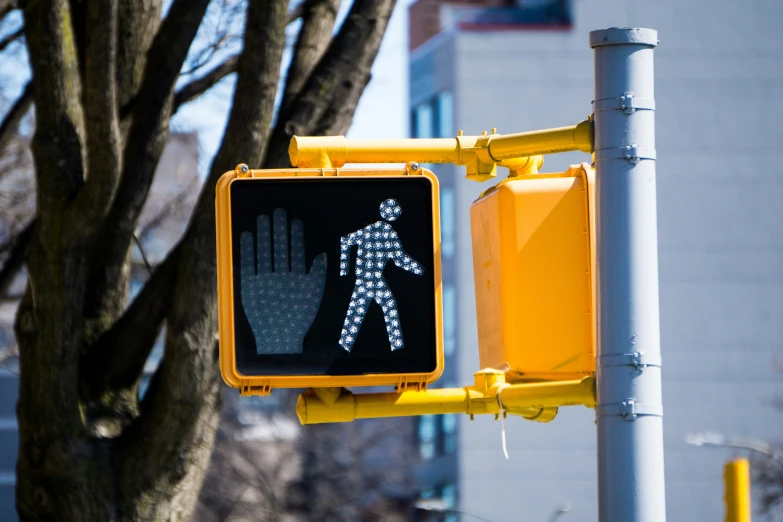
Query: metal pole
[(629, 412)]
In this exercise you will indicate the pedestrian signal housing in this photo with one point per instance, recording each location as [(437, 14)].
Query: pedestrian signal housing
[(329, 278), (534, 274)]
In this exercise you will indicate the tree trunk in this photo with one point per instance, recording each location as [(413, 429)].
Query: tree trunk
[(103, 78)]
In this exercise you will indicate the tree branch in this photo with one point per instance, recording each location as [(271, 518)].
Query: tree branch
[(58, 139), (187, 380), (199, 86), (138, 22), (167, 210), (338, 116), (318, 18), (102, 122), (166, 56), (296, 13), (48, 325), (720, 441), (10, 125), (11, 38), (343, 68), (6, 6), (144, 145), (117, 358), (15, 258)]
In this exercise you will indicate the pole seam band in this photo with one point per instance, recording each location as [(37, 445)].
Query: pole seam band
[(631, 152), (629, 409), (627, 103), (639, 360)]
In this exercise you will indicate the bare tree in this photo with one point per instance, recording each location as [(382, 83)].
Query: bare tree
[(266, 468), (17, 207), (356, 471), (104, 87), (249, 473)]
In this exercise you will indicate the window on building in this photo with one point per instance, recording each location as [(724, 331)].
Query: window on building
[(447, 216), (445, 115), (428, 493), (428, 428), (423, 120), (449, 495), (435, 118), (449, 430), (449, 318)]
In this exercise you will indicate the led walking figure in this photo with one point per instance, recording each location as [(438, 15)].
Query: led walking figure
[(377, 244)]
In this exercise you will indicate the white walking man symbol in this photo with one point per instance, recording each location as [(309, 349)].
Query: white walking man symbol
[(377, 244)]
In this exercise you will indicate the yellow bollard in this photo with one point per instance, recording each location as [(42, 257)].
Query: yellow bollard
[(736, 480)]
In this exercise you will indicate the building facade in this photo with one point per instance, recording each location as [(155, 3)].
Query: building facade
[(528, 66)]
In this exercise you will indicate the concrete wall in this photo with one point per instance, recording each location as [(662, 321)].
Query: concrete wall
[(719, 70)]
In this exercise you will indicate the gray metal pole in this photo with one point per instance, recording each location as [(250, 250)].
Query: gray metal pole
[(629, 413)]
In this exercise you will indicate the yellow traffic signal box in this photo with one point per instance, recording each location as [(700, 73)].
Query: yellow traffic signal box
[(329, 278), (534, 270)]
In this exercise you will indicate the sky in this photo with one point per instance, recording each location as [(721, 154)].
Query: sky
[(382, 110)]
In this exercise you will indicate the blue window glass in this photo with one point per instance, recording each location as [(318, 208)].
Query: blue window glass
[(427, 436), (449, 428), (447, 222), (449, 495), (449, 318), (423, 122), (445, 123)]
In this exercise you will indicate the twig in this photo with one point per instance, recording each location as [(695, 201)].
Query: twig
[(718, 440), (11, 38), (143, 256)]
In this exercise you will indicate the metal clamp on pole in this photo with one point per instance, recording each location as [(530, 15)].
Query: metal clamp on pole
[(638, 360), (627, 103), (629, 409), (632, 152)]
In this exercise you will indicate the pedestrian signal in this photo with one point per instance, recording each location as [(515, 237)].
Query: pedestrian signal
[(328, 278), (534, 275)]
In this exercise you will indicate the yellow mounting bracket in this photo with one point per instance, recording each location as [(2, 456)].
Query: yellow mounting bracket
[(474, 154), (490, 394), (521, 152)]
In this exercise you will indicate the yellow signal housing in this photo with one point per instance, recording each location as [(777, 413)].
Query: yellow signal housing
[(534, 269), (262, 384)]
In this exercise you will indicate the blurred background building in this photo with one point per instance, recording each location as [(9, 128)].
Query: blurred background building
[(527, 65)]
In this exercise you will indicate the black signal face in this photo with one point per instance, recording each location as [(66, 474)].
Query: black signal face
[(335, 276)]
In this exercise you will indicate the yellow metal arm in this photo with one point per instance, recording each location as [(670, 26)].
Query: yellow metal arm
[(534, 401), (548, 141), (479, 154)]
